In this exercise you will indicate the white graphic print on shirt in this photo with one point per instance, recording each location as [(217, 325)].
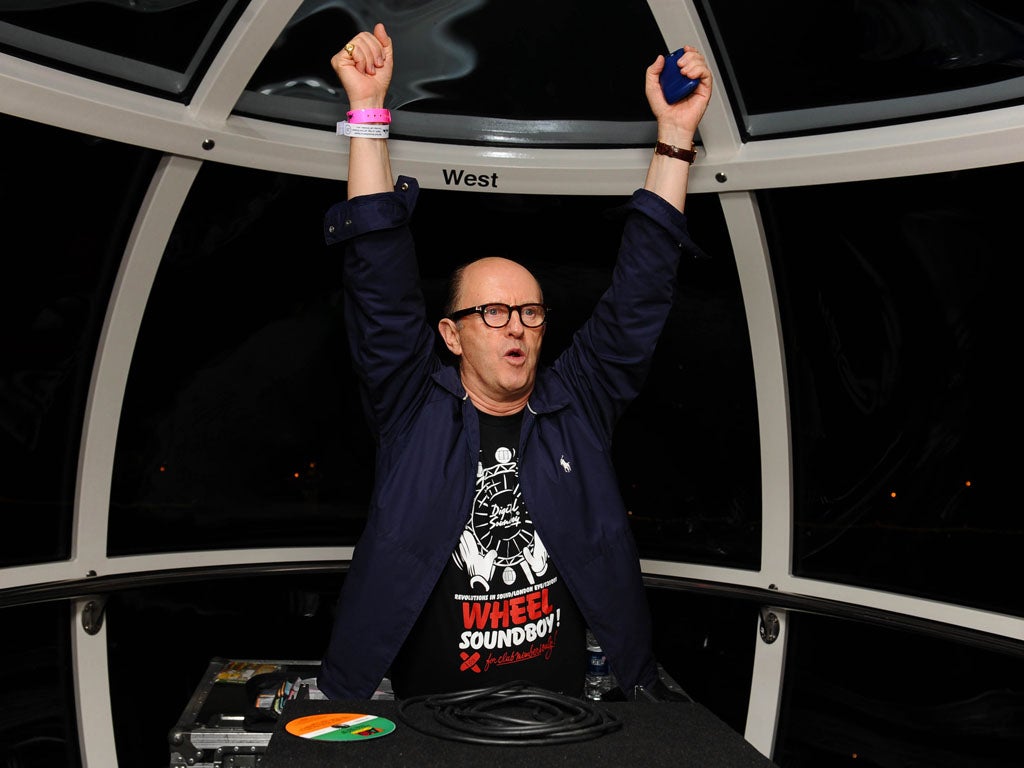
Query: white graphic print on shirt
[(508, 613), (499, 534)]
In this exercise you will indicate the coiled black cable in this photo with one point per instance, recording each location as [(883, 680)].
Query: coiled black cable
[(513, 714)]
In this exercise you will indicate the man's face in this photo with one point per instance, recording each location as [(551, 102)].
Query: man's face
[(498, 365)]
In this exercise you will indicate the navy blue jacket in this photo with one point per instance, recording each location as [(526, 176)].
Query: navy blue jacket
[(428, 440)]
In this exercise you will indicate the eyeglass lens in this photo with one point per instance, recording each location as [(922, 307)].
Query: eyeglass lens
[(498, 315)]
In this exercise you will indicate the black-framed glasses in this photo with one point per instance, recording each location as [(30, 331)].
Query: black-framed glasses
[(497, 315)]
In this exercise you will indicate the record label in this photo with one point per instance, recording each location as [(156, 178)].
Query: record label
[(340, 726)]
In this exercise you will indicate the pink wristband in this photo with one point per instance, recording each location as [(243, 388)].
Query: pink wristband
[(369, 116)]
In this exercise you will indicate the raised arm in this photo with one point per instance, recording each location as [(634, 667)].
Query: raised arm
[(667, 176), (364, 67)]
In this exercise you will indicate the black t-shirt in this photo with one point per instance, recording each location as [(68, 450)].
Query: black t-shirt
[(500, 611)]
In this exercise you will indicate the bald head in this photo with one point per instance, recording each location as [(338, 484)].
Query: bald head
[(492, 273)]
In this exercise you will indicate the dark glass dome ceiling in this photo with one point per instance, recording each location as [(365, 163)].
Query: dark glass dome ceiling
[(548, 74)]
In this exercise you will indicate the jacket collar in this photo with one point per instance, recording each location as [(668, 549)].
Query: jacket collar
[(549, 393)]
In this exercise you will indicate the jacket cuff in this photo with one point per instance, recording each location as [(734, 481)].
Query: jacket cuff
[(371, 213), (666, 216)]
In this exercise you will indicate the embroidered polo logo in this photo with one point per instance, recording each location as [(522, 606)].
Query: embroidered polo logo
[(566, 467)]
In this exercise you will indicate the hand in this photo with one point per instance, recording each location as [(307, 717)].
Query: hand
[(538, 558), (677, 123), (480, 567), (365, 71)]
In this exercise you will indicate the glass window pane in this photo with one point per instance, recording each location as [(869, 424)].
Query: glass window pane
[(169, 634), (242, 424), (862, 695), (160, 45), (69, 212), (899, 309), (687, 451), (38, 728), (487, 63), (807, 65), (706, 644)]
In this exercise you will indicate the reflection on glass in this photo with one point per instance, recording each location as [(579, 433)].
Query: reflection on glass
[(809, 65), (67, 217), (878, 698), (482, 61), (157, 45), (899, 310)]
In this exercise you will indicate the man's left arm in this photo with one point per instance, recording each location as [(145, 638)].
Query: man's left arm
[(612, 352)]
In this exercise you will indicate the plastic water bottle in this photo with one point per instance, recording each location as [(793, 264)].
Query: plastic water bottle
[(599, 678)]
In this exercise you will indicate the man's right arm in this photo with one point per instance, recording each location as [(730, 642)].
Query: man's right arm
[(385, 320), (364, 67)]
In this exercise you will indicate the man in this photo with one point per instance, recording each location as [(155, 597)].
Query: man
[(496, 533)]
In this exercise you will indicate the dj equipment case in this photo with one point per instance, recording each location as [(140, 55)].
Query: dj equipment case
[(229, 719)]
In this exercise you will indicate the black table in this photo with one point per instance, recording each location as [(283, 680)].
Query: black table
[(676, 735)]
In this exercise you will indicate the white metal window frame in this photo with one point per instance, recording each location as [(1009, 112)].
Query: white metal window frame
[(205, 130)]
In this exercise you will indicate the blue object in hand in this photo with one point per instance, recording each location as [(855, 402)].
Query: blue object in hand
[(674, 84)]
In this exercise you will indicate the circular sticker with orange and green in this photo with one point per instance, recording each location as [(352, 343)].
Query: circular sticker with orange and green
[(340, 726)]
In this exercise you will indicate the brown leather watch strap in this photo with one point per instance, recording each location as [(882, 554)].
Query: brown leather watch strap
[(689, 155)]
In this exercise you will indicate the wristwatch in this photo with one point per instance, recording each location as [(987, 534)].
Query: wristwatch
[(689, 155)]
